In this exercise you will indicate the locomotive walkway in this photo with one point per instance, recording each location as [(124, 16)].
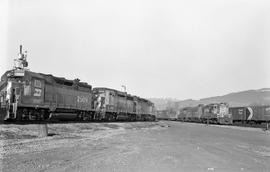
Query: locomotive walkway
[(138, 146)]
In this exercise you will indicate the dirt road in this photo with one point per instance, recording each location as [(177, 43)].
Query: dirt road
[(149, 146)]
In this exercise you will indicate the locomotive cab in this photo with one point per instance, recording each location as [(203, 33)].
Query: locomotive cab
[(10, 94), (11, 86), (102, 103), (224, 117)]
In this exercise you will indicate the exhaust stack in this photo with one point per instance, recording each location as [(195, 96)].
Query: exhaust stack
[(20, 49), (21, 62)]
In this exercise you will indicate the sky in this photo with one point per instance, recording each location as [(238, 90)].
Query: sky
[(156, 48)]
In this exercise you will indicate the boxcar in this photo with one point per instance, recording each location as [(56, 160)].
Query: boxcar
[(240, 114), (260, 114), (255, 114)]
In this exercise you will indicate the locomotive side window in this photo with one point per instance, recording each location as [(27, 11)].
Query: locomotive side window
[(37, 83)]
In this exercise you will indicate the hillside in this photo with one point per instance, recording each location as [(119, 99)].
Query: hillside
[(243, 98)]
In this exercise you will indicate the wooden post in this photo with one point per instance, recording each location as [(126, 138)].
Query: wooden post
[(42, 130), (207, 120), (267, 125)]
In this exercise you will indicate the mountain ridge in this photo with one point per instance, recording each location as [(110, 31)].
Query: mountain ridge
[(241, 98)]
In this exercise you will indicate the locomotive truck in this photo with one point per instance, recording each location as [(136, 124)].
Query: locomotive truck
[(27, 95)]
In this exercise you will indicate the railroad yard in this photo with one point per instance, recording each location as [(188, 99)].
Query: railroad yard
[(135, 146)]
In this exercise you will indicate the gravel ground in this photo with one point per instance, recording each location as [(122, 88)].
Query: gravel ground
[(138, 146)]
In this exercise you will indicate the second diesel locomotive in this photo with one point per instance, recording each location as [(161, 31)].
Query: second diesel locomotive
[(27, 95), (112, 104), (213, 113)]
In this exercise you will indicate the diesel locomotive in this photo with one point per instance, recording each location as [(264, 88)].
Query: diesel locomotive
[(212, 113), (31, 96), (116, 105)]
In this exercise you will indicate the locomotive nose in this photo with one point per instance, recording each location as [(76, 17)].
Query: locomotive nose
[(11, 100)]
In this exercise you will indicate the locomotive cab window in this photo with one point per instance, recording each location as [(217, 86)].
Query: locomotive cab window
[(37, 83)]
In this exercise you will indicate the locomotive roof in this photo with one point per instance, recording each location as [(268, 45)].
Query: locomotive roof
[(117, 91), (47, 77), (122, 93), (61, 80), (213, 104)]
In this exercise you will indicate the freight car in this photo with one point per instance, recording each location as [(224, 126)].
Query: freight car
[(251, 114), (212, 113), (27, 95)]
